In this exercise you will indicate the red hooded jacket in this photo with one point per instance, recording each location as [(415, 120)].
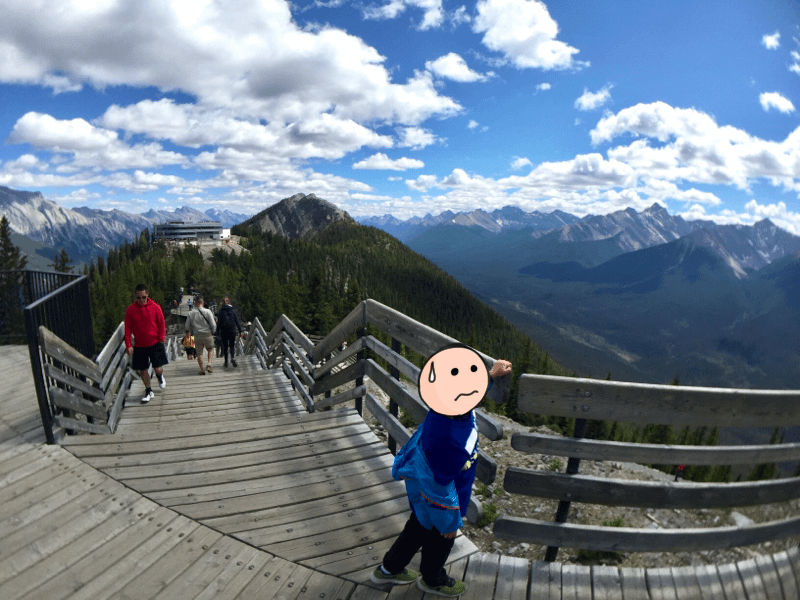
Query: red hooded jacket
[(146, 323)]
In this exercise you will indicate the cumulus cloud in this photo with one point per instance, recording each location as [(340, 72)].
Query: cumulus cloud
[(520, 162), (525, 33), (771, 42), (416, 138), (693, 147), (248, 56), (433, 14), (777, 101), (543, 87), (380, 161), (452, 66), (591, 100)]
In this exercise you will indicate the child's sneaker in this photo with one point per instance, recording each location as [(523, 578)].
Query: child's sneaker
[(451, 589), (162, 383), (148, 396), (403, 578)]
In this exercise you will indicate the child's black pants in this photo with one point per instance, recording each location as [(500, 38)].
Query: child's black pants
[(435, 550)]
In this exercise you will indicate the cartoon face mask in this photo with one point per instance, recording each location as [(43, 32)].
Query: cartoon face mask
[(453, 381)]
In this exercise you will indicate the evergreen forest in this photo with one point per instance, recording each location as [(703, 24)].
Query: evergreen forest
[(317, 282)]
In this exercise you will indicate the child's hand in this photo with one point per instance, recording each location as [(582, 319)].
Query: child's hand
[(500, 368)]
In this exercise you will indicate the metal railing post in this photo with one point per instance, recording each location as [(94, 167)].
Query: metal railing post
[(573, 464)]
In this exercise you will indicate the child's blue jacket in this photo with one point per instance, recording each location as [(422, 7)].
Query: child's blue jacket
[(441, 503)]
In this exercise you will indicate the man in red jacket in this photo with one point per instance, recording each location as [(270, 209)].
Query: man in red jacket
[(145, 320)]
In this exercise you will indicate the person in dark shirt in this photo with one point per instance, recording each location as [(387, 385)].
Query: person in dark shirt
[(438, 465)]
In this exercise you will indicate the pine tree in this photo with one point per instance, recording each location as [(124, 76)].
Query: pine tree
[(12, 262), (61, 262)]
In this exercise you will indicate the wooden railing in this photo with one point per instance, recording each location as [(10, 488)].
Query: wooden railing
[(643, 404), (320, 369), (88, 395)]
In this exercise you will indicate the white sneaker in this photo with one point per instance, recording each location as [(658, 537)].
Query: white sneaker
[(163, 383), (147, 397)]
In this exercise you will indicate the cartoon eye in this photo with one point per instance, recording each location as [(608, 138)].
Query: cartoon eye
[(454, 372), (474, 368)]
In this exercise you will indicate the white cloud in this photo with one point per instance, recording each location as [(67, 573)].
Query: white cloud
[(433, 14), (519, 162), (543, 87), (380, 161), (525, 33), (416, 138), (591, 100), (777, 101), (771, 42), (452, 66), (249, 57), (473, 124)]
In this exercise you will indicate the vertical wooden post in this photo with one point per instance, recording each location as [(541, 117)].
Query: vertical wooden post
[(573, 464), (397, 348), (362, 331)]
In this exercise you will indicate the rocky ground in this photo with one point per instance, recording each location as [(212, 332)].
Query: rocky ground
[(536, 508)]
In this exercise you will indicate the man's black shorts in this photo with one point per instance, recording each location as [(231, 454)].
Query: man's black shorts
[(144, 356)]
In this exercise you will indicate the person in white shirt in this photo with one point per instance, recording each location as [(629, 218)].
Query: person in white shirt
[(202, 326)]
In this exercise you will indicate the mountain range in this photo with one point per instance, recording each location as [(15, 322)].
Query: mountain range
[(644, 296), (84, 232)]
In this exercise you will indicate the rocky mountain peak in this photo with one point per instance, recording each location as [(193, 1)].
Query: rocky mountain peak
[(299, 216)]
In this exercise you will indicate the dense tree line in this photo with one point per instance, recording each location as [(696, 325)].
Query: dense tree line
[(317, 282)]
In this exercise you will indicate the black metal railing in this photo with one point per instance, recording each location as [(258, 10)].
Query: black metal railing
[(59, 302)]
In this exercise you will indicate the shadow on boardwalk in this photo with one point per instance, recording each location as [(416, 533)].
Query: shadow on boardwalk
[(224, 487)]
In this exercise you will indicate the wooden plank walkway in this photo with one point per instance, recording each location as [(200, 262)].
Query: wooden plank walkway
[(223, 487)]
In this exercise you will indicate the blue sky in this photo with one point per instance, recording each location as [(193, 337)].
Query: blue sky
[(406, 106)]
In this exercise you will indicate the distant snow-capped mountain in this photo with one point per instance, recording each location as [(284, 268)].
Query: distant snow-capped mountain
[(508, 218), (85, 232)]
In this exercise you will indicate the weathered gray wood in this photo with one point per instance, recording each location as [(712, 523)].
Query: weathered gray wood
[(709, 581), (654, 453), (408, 401), (297, 367), (400, 363), (664, 404), (352, 322), (545, 581), (786, 575), (298, 337), (340, 357), (109, 373), (118, 337), (341, 397), (340, 378), (64, 399), (78, 384), (415, 335), (686, 584), (769, 577), (512, 579), (488, 426), (731, 582), (309, 401), (661, 584), (576, 582), (299, 354), (480, 576), (646, 494), (76, 425), (748, 572), (274, 333), (606, 583), (119, 402), (618, 539), (634, 584), (59, 350), (390, 423)]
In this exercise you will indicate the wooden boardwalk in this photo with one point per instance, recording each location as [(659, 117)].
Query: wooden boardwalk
[(224, 487)]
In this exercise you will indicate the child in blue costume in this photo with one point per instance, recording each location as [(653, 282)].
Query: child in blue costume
[(438, 466)]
